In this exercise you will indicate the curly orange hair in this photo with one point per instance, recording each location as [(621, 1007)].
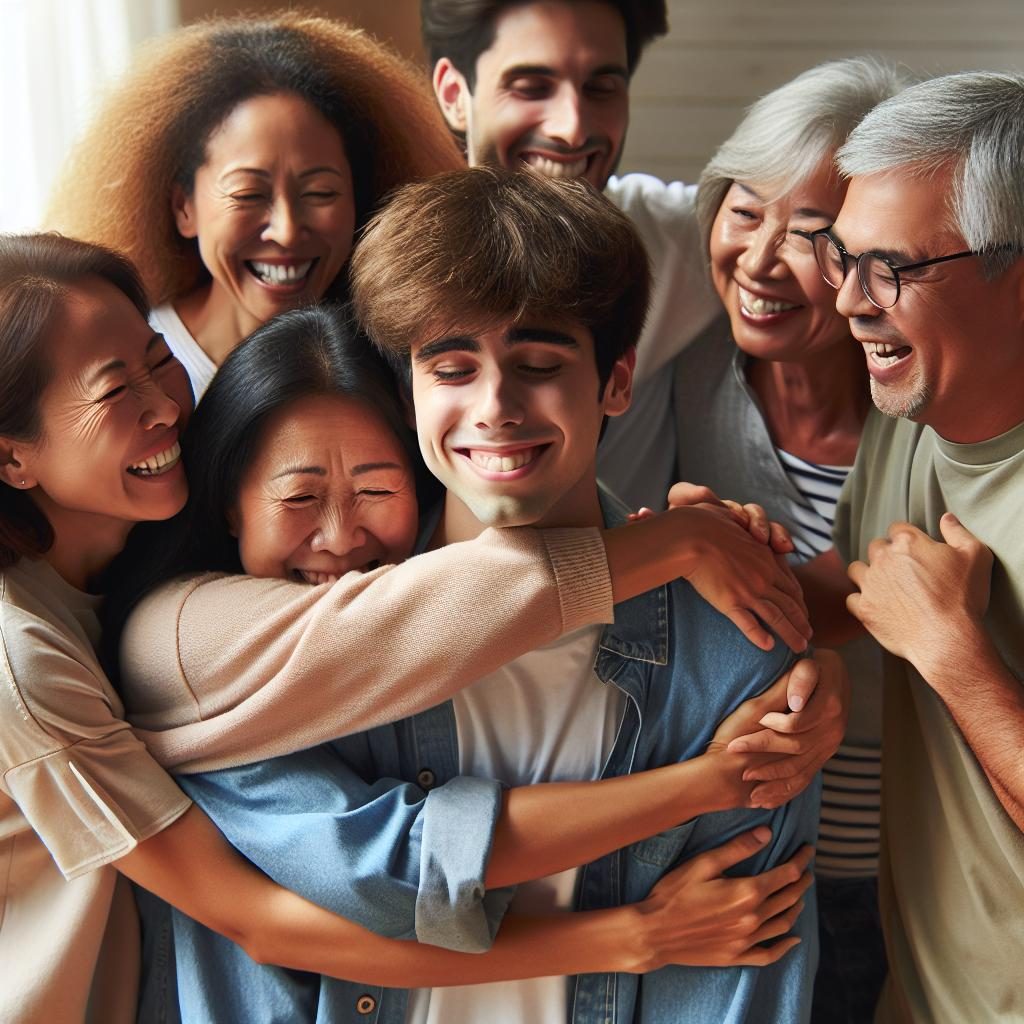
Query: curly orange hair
[(116, 186)]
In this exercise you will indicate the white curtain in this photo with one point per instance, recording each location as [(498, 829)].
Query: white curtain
[(55, 57)]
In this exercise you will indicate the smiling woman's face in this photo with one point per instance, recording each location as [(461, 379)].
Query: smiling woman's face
[(766, 276), (108, 451), (272, 209), (330, 490)]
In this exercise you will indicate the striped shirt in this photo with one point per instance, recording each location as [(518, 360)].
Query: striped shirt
[(851, 781)]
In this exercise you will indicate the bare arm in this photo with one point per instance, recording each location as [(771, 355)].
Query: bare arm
[(925, 601), (826, 587), (694, 915)]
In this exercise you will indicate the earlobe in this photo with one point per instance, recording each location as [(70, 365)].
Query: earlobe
[(618, 392), (13, 471), (184, 218), (452, 93)]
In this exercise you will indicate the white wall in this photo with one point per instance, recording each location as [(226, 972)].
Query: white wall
[(692, 86)]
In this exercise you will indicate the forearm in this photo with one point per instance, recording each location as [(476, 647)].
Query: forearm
[(987, 703), (826, 587), (547, 828)]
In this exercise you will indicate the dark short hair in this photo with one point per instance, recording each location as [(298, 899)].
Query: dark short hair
[(299, 354), (37, 273), (487, 244), (463, 29)]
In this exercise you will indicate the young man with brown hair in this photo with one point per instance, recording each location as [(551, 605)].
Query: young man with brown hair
[(510, 304)]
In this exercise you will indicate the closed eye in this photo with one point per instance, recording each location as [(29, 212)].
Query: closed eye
[(298, 500)]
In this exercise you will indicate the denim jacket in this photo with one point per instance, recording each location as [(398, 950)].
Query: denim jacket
[(682, 666)]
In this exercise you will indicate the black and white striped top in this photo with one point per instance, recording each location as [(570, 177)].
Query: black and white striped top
[(851, 781)]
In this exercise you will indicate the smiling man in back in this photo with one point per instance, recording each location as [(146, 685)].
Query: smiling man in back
[(545, 84)]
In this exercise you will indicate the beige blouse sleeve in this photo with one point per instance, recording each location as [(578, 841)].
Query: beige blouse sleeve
[(225, 670), (85, 784)]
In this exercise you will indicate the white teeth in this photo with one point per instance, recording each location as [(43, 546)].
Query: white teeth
[(556, 168), (884, 354), (495, 463), (759, 307), (159, 463), (279, 273), (317, 578)]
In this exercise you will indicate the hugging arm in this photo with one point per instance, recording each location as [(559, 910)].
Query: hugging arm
[(190, 865)]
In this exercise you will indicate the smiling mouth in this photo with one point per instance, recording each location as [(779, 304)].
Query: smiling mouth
[(502, 462), (885, 355), (316, 579), (157, 465), (278, 274), (557, 168), (756, 306)]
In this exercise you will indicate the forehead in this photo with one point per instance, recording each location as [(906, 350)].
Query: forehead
[(280, 123), (563, 36), (95, 322), (895, 211), (819, 194)]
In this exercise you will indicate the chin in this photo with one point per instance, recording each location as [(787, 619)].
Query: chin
[(506, 511)]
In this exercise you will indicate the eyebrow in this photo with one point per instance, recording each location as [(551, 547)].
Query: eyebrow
[(300, 470), (260, 173), (810, 211), (120, 364), (370, 467), (453, 343), (895, 256), (520, 70), (519, 335), (748, 190)]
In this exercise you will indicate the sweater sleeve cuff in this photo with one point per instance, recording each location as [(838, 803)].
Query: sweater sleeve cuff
[(580, 565)]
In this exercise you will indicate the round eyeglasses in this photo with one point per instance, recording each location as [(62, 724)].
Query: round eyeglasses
[(879, 277)]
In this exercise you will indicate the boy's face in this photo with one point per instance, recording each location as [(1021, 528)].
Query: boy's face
[(509, 417), (552, 91)]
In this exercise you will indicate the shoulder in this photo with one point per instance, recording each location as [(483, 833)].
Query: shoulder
[(646, 198)]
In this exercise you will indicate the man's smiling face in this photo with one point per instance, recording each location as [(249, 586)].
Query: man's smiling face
[(509, 416), (552, 91)]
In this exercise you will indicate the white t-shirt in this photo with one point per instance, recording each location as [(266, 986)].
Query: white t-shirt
[(637, 456), (545, 717), (198, 365)]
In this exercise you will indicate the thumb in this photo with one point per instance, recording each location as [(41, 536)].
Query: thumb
[(954, 533), (715, 862)]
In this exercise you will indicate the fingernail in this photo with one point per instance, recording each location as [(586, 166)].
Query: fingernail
[(796, 702), (739, 746), (762, 834)]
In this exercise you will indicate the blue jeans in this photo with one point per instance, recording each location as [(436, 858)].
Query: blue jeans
[(853, 966)]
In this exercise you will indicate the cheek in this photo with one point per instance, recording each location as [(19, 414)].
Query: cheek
[(722, 253)]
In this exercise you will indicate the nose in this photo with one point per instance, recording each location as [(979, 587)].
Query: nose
[(564, 120), (498, 403), (159, 409), (284, 225), (851, 301), (760, 257), (338, 532)]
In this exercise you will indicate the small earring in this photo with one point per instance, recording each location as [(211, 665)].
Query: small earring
[(22, 483)]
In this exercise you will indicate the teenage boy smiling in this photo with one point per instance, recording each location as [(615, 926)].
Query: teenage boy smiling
[(511, 304)]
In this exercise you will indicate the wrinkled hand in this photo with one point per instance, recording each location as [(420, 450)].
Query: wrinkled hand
[(743, 579), (818, 687), (751, 517), (697, 916), (917, 594)]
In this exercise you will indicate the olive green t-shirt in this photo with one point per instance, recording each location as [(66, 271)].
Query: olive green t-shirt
[(952, 873)]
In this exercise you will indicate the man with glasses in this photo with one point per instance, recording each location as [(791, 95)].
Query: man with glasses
[(926, 257)]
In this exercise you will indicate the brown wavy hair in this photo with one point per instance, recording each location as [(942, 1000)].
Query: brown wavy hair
[(151, 131)]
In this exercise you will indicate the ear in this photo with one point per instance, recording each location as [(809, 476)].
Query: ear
[(15, 465), (231, 515), (618, 392), (452, 94), (184, 212)]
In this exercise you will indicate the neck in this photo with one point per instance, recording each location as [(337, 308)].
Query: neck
[(84, 544), (578, 507), (216, 323), (815, 408)]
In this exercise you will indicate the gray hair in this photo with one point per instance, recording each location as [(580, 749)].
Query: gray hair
[(787, 134), (972, 122)]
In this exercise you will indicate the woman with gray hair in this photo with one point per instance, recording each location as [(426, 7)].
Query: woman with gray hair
[(770, 402)]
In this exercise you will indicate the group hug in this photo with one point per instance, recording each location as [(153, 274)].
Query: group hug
[(444, 581)]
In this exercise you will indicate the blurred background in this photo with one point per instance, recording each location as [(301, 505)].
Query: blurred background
[(688, 94)]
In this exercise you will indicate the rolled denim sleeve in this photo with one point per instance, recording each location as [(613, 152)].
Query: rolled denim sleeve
[(453, 909), (363, 850)]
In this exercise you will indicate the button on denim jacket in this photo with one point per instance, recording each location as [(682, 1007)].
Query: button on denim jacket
[(410, 864)]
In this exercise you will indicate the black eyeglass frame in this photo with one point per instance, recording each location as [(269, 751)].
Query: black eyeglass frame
[(847, 257)]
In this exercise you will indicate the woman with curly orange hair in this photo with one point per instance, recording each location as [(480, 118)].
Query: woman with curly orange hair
[(235, 161)]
